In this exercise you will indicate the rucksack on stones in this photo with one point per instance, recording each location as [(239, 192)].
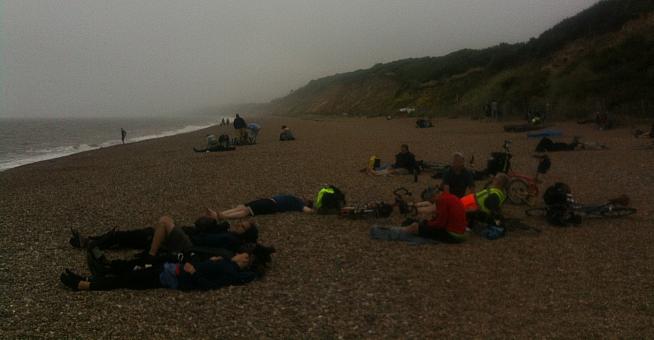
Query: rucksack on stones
[(329, 200), (558, 199), (558, 194)]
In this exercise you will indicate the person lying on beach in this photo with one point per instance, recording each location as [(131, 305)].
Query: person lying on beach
[(643, 134), (248, 264), (547, 145), (286, 134), (266, 206), (405, 164), (423, 123), (448, 224), (166, 236)]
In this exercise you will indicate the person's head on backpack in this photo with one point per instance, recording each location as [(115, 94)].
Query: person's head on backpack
[(329, 200), (500, 180)]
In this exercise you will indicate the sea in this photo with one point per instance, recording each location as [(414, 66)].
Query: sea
[(28, 140)]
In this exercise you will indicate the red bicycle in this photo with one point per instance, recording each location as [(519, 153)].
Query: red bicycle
[(521, 189)]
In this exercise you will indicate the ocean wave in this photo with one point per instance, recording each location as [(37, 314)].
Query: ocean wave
[(43, 154)]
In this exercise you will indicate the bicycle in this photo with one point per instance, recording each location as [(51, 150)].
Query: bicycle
[(521, 189), (613, 208), (380, 209)]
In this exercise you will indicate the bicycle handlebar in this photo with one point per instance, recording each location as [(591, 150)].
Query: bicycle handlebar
[(401, 191)]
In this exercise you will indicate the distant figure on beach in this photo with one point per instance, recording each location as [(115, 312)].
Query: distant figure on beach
[(286, 134), (268, 206), (252, 132), (123, 134), (222, 122), (240, 126), (424, 123), (494, 110)]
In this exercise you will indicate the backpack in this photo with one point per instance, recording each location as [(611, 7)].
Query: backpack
[(557, 194), (223, 140), (329, 200), (559, 212), (498, 162), (374, 162)]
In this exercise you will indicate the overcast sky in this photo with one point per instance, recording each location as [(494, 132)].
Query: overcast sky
[(131, 57)]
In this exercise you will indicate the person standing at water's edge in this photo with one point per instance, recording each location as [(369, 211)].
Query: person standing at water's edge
[(123, 134)]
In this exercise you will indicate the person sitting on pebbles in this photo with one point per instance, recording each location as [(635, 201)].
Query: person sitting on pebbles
[(266, 206), (247, 265), (286, 134), (448, 224), (405, 164)]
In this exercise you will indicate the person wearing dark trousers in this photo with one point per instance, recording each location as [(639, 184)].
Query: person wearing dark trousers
[(165, 236), (547, 144), (216, 272)]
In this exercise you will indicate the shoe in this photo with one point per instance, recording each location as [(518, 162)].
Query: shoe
[(98, 264), (76, 240), (79, 277), (103, 241), (70, 281)]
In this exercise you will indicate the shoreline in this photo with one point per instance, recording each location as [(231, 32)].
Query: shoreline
[(58, 152)]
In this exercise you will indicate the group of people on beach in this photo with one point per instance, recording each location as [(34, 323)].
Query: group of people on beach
[(223, 248), (210, 254), (214, 252), (246, 134)]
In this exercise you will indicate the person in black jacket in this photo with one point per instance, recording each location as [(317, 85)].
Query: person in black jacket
[(241, 126), (247, 265), (166, 236), (405, 161)]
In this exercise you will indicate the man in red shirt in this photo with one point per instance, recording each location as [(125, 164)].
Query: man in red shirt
[(449, 223)]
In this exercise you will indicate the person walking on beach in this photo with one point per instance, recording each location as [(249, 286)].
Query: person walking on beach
[(241, 127), (123, 134)]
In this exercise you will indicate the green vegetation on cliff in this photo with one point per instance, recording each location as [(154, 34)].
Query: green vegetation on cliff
[(599, 59)]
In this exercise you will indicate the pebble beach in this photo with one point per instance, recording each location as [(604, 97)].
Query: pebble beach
[(328, 279)]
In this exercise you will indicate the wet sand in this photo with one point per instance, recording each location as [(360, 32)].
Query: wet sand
[(328, 279)]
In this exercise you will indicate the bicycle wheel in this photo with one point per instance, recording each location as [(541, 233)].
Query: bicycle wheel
[(536, 212), (518, 191), (613, 211)]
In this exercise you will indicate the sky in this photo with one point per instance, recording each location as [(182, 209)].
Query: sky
[(91, 58)]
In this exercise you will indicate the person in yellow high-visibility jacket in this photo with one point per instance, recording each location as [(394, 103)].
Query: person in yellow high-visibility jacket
[(485, 206)]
